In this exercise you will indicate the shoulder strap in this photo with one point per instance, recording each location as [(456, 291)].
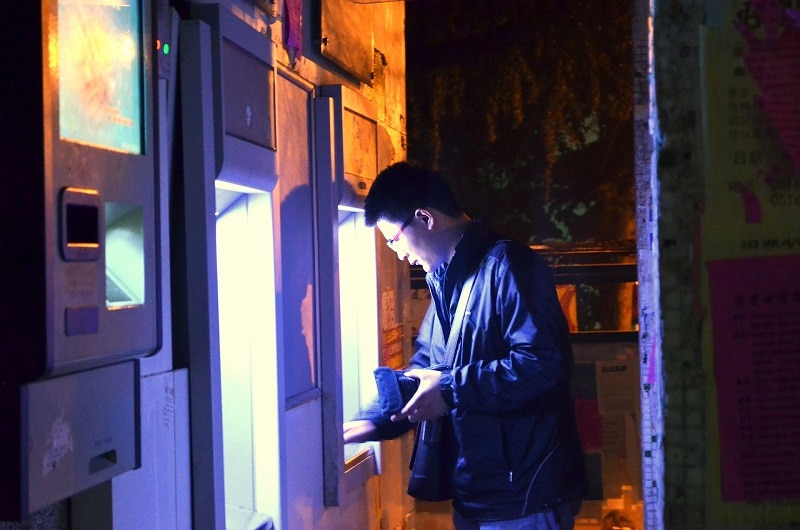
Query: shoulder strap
[(458, 319)]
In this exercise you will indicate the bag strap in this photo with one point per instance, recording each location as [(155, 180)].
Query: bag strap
[(458, 319)]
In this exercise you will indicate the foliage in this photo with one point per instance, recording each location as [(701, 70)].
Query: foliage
[(526, 105)]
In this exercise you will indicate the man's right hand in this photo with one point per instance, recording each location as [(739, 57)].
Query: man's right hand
[(358, 431)]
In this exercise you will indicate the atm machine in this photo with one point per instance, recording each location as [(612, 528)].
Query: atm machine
[(80, 277), (371, 290), (348, 131), (230, 172)]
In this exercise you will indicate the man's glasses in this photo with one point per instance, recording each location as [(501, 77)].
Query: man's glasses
[(391, 242)]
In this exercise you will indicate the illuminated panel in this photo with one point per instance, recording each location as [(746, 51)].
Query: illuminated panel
[(100, 73), (125, 263)]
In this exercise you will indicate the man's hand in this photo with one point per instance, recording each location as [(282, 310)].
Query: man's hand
[(358, 431), (427, 403)]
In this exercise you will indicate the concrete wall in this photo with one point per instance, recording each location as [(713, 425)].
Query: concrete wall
[(691, 452), (679, 177)]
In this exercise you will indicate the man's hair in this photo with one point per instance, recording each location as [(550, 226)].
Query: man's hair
[(401, 188)]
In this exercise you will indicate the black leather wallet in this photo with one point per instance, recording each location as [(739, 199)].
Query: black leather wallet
[(394, 388)]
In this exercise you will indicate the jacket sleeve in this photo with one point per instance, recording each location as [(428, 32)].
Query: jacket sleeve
[(519, 356), (423, 345)]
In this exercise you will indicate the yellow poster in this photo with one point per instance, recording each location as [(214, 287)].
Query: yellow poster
[(748, 250), (752, 101)]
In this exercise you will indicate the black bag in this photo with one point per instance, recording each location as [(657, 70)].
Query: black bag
[(433, 461)]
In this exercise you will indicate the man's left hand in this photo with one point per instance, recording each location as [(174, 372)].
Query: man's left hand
[(427, 403)]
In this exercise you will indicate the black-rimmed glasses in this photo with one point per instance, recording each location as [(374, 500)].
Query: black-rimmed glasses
[(391, 242)]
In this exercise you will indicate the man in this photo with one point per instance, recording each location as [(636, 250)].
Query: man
[(520, 461)]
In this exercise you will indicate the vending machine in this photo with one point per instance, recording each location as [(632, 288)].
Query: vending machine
[(80, 274)]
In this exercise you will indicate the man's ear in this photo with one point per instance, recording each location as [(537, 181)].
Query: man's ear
[(426, 216)]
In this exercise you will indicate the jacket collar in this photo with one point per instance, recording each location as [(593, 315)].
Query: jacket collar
[(470, 250)]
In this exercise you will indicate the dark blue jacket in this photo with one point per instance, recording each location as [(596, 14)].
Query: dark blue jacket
[(509, 391)]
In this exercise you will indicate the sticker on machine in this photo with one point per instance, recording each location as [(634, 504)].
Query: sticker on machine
[(58, 444)]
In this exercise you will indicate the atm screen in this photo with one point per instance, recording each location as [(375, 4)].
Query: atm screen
[(100, 73)]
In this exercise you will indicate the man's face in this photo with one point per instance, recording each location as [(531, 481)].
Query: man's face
[(411, 240)]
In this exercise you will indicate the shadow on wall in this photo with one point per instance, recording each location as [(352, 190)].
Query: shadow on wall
[(297, 291)]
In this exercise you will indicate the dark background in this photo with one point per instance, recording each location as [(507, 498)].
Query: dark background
[(526, 107)]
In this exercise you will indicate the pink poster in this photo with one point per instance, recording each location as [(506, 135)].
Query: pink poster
[(774, 63), (755, 311)]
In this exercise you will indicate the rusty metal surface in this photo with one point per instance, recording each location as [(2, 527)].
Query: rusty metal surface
[(346, 36)]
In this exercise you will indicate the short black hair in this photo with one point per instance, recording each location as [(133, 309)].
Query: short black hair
[(401, 188)]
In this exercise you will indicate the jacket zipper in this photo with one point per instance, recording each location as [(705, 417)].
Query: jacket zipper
[(536, 474)]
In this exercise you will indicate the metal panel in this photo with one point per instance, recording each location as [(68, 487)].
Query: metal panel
[(243, 80), (356, 143), (196, 326), (81, 431), (347, 37)]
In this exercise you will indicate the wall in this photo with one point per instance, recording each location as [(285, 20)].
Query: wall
[(381, 27), (691, 448), (680, 195)]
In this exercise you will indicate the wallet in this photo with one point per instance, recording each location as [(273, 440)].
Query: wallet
[(394, 388)]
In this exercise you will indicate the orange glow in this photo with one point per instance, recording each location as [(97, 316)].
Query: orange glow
[(87, 191)]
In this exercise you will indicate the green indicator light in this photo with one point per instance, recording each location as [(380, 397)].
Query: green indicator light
[(165, 48)]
